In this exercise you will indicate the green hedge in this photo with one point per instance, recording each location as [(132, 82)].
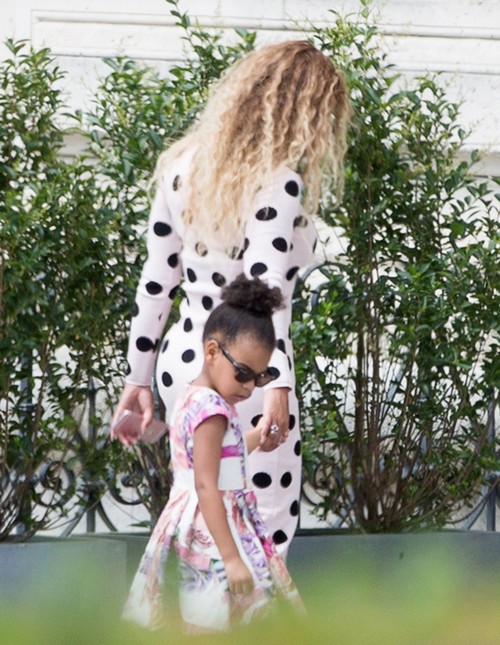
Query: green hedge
[(394, 355)]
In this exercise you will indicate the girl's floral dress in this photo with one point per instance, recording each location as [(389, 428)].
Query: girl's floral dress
[(205, 601)]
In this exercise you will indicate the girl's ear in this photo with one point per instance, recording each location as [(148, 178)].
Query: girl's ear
[(211, 349)]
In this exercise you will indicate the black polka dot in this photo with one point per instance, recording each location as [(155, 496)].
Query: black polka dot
[(275, 372), (188, 324), (173, 292), (315, 244), (201, 249), (279, 537), (262, 480), (294, 508), (280, 344), (289, 362), (291, 422), (165, 345), (173, 260), (286, 479), (128, 370), (300, 222), (297, 449), (191, 275), (265, 214), (176, 183), (135, 309), (246, 244), (280, 244), (218, 279), (187, 356), (153, 288), (291, 273), (207, 302), (166, 379), (255, 420), (161, 229), (258, 269), (292, 188), (144, 344)]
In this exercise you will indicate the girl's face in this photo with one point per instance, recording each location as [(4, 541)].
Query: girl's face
[(226, 360)]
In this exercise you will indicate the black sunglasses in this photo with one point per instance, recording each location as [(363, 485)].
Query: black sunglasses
[(243, 374)]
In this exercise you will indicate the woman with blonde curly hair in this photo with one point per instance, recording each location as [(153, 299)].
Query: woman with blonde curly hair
[(233, 195)]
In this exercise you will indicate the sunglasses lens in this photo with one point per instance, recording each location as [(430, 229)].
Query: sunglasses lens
[(242, 376), (266, 377)]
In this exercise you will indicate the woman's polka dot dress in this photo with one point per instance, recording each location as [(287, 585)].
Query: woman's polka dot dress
[(279, 239)]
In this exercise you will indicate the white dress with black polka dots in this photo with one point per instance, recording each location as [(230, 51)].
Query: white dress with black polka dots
[(279, 239)]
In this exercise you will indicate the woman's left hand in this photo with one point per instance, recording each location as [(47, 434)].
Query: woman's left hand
[(273, 425)]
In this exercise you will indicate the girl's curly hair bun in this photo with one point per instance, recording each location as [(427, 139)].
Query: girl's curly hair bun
[(253, 295)]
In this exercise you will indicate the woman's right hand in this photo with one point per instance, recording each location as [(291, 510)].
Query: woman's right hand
[(239, 578), (138, 398)]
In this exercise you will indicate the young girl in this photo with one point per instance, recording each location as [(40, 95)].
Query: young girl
[(229, 568)]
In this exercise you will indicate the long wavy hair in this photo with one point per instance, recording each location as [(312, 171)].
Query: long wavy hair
[(283, 104)]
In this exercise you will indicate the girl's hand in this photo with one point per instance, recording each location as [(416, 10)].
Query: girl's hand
[(273, 425), (239, 578), (138, 398)]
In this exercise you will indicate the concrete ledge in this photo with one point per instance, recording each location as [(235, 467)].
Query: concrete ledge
[(74, 568), (472, 554), (102, 565)]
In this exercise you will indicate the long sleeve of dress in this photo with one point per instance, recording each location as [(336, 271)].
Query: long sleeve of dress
[(155, 292), (269, 243)]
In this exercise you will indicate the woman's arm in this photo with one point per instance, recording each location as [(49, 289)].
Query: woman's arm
[(160, 276), (206, 459), (269, 233), (275, 411), (138, 398), (153, 301)]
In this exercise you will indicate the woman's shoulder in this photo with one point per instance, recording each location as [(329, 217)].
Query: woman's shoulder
[(174, 164), (281, 182), (285, 173)]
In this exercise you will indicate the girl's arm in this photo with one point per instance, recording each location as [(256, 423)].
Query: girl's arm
[(206, 459), (253, 439)]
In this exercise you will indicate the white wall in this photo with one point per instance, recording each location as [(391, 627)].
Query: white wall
[(460, 38)]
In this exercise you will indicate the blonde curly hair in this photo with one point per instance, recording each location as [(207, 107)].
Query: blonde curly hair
[(283, 104)]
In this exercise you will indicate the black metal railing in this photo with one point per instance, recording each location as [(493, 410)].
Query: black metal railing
[(89, 488)]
